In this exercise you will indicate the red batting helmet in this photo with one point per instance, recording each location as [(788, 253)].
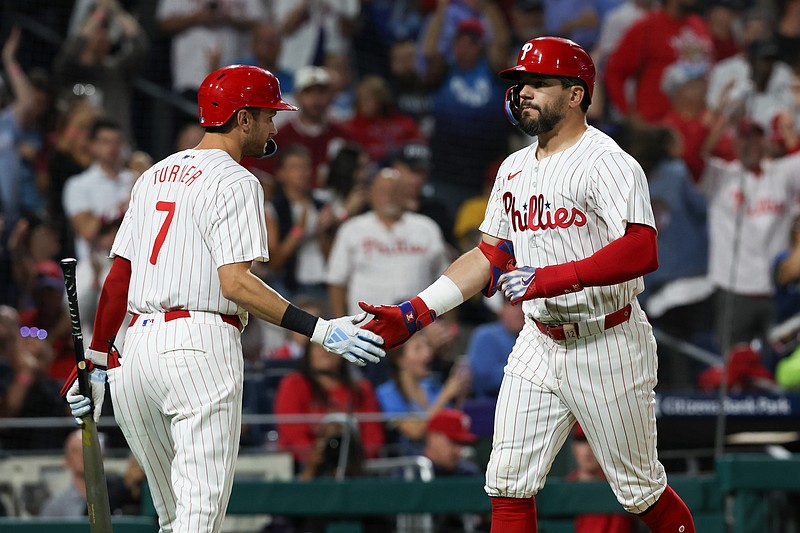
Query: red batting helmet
[(551, 56), (231, 88)]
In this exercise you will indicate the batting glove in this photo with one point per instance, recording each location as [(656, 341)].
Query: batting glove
[(80, 405), (518, 285), (342, 337), (396, 323)]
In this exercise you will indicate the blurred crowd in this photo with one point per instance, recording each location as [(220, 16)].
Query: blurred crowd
[(382, 178)]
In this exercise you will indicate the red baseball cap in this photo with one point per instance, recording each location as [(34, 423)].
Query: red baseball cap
[(453, 423)]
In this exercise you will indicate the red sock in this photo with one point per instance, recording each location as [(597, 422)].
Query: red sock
[(669, 515), (513, 515)]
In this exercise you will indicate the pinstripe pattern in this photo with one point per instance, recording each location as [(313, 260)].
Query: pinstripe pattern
[(565, 208), (178, 393), (219, 219), (177, 398)]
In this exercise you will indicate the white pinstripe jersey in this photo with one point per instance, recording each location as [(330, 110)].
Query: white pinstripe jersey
[(189, 214), (565, 208)]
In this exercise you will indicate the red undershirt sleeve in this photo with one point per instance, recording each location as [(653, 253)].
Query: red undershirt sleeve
[(632, 255), (113, 304)]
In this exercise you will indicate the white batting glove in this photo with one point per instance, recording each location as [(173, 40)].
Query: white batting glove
[(518, 285), (80, 404), (342, 337)]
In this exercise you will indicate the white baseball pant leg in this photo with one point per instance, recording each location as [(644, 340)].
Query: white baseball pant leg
[(177, 397), (605, 382)]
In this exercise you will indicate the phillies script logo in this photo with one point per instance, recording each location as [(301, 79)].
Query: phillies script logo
[(536, 214)]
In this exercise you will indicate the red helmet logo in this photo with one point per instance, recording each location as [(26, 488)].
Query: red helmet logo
[(231, 88)]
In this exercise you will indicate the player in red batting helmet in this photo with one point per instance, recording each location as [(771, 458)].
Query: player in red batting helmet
[(549, 56), (231, 88)]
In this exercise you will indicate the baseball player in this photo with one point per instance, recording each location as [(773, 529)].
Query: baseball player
[(182, 262), (568, 233)]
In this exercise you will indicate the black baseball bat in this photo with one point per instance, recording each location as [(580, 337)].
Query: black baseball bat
[(94, 475)]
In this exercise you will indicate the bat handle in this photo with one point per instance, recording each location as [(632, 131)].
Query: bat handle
[(68, 267)]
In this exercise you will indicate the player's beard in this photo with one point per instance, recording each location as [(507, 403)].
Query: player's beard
[(549, 117)]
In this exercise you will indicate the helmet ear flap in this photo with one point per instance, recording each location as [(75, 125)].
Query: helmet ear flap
[(513, 111)]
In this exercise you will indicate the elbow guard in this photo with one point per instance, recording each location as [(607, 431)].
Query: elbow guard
[(501, 260)]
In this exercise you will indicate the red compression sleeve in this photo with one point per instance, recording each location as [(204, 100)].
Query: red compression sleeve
[(113, 304), (632, 255)]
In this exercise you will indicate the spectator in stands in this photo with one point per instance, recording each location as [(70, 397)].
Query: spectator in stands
[(377, 125), (446, 435), (71, 156), (414, 393), (576, 20), (48, 313), (310, 126), (343, 87), (324, 383), (787, 30), (678, 296), (614, 25), (313, 30), (386, 252), (750, 204), (723, 18), (411, 92), (205, 36), (488, 349), (685, 85), (786, 124), (413, 163), (468, 93), (760, 82), (25, 388), (786, 276), (587, 468), (297, 227), (265, 49), (526, 22), (34, 145), (668, 34), (31, 242), (98, 195), (346, 190), (92, 63), (14, 118), (71, 502)]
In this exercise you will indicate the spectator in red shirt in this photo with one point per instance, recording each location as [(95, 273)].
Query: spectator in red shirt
[(323, 384), (685, 84), (672, 33), (310, 126), (377, 125)]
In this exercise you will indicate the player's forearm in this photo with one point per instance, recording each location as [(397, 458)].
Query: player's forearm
[(629, 257), (470, 272), (248, 290)]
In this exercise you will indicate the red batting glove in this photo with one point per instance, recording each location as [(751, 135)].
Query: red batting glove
[(396, 323)]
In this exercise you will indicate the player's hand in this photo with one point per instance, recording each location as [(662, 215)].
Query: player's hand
[(341, 336), (79, 404), (518, 285), (396, 323)]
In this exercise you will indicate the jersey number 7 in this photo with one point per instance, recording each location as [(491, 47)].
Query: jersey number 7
[(169, 208)]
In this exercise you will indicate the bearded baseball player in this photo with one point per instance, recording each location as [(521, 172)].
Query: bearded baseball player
[(568, 233), (182, 261)]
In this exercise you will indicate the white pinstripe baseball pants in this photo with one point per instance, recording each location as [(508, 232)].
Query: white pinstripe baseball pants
[(178, 399), (605, 382)]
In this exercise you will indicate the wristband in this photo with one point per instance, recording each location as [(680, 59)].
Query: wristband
[(442, 295), (295, 319)]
